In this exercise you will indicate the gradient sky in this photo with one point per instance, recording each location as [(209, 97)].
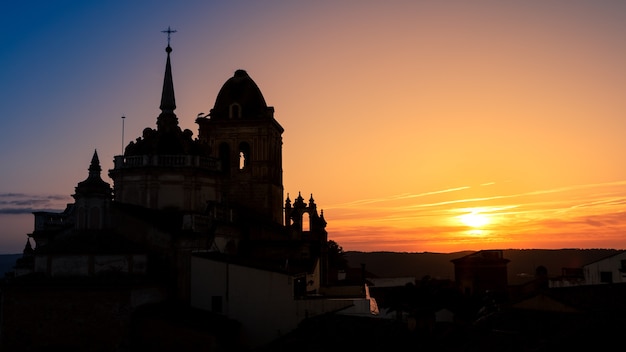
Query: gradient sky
[(401, 117)]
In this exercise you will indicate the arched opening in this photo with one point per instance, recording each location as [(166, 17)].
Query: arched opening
[(244, 155), (235, 111), (306, 222), (224, 155)]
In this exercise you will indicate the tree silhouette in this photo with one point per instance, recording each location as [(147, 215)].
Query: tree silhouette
[(336, 256)]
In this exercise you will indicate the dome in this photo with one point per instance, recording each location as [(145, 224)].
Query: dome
[(240, 98)]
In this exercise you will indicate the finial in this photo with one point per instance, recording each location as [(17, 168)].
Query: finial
[(94, 167), (287, 202), (169, 31)]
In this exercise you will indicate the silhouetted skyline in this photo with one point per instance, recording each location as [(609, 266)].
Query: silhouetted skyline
[(403, 117)]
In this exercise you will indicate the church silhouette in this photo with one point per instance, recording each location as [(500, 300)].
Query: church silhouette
[(193, 245)]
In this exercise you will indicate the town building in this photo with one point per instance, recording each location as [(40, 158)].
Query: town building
[(609, 270), (481, 272)]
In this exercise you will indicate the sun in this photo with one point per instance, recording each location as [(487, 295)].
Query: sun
[(474, 219)]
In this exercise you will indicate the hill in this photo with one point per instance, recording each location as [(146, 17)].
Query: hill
[(6, 263), (523, 262)]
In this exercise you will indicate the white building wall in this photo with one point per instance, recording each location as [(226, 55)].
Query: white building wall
[(609, 268), (208, 279), (262, 301), (313, 279)]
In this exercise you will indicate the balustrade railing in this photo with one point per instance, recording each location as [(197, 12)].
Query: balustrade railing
[(166, 161)]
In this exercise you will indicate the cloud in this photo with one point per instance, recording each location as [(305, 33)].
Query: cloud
[(23, 203), (395, 197)]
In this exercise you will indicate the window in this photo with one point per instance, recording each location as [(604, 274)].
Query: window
[(606, 277), (235, 111), (306, 222), (299, 287), (242, 160)]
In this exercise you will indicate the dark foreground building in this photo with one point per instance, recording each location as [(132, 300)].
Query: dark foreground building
[(112, 272)]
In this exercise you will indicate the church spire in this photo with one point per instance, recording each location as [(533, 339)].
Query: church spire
[(168, 103), (167, 120)]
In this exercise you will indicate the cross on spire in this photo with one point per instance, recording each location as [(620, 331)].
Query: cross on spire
[(169, 31)]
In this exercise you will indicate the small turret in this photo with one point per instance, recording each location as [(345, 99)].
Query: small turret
[(25, 264), (28, 249), (93, 197), (93, 186)]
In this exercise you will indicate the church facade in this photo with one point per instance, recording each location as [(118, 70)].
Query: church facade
[(120, 248)]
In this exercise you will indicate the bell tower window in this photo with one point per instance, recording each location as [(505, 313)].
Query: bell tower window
[(242, 160), (306, 221)]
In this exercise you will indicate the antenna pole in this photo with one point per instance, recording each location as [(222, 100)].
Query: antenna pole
[(123, 118)]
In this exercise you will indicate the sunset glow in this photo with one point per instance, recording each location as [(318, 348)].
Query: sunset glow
[(416, 125), (474, 219)]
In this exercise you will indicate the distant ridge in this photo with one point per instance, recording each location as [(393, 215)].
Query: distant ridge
[(523, 262), (401, 264), (7, 261)]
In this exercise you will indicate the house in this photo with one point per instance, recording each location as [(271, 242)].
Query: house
[(481, 272), (606, 271), (569, 277)]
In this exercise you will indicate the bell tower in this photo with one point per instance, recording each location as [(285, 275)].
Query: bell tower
[(245, 137)]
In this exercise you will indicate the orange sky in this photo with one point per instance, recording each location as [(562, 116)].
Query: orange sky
[(399, 116)]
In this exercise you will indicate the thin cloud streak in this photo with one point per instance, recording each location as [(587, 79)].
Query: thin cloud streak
[(15, 211), (396, 197), (23, 203), (593, 217), (466, 200)]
